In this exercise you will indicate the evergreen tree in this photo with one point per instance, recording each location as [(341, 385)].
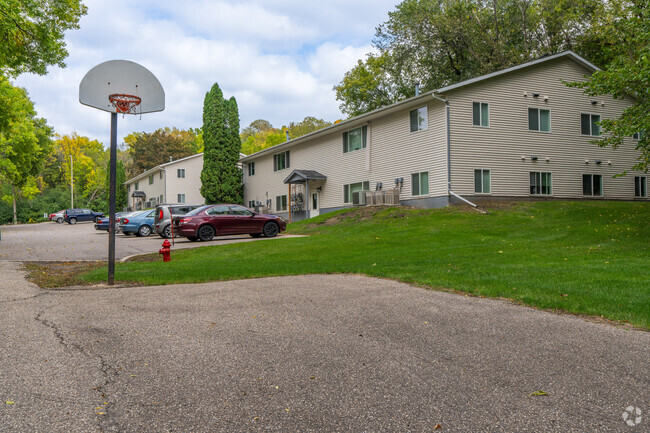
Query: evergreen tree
[(221, 177)]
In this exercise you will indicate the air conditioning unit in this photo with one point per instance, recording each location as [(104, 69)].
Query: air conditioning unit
[(379, 197), (359, 198), (392, 197)]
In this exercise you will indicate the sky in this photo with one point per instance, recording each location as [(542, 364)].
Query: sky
[(278, 58)]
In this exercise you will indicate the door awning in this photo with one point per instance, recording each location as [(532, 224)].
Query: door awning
[(139, 194), (302, 176)]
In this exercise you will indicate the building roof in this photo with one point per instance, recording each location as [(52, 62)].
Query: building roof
[(383, 111), (300, 176)]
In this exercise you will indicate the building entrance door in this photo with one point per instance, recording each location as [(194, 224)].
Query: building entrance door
[(315, 205)]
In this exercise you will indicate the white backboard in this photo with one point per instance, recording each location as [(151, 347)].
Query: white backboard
[(121, 77)]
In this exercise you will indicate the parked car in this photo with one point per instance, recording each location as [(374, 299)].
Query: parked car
[(102, 223), (162, 219), (206, 222), (71, 216), (139, 223), (58, 217)]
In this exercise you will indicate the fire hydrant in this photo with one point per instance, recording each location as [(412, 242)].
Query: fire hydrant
[(165, 251)]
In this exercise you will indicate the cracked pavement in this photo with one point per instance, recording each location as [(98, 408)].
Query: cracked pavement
[(307, 353)]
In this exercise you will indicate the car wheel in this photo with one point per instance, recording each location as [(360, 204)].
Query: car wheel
[(72, 221), (167, 232), (256, 235), (144, 231), (193, 238), (271, 230), (59, 220), (206, 233)]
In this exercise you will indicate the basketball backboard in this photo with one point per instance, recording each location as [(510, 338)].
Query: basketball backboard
[(124, 80)]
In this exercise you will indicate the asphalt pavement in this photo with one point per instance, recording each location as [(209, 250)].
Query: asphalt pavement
[(319, 353)]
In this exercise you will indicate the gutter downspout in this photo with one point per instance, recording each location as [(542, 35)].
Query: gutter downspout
[(449, 191)]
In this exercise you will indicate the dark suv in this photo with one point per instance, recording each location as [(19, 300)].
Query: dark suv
[(162, 218), (71, 216)]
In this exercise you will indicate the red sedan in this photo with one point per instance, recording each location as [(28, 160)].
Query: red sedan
[(206, 222)]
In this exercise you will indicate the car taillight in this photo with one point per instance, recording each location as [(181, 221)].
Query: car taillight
[(160, 214), (125, 220), (184, 220)]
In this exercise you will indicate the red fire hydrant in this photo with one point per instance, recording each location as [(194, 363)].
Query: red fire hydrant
[(165, 251)]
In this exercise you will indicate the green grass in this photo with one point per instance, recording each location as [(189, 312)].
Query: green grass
[(582, 257)]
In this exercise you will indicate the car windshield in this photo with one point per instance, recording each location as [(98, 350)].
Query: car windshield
[(197, 210)]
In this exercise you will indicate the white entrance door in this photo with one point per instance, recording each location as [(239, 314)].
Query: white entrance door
[(315, 205)]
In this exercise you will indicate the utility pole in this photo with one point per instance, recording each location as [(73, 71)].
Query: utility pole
[(71, 184)]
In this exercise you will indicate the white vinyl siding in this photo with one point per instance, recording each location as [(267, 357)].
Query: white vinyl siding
[(539, 119), (540, 183), (640, 186), (592, 185), (420, 183), (419, 119), (481, 114), (482, 181), (589, 124)]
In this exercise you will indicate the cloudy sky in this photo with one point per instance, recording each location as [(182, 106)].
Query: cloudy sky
[(279, 58)]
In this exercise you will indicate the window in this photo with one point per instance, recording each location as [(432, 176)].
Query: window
[(482, 183), (354, 187), (592, 185), (151, 179), (181, 198), (420, 183), (355, 139), (589, 124), (540, 183), (218, 210), (419, 119), (281, 202), (180, 173), (637, 135), (128, 188), (161, 174), (251, 169), (539, 120), (251, 203), (161, 198), (640, 185), (241, 210), (480, 114), (281, 161), (136, 185)]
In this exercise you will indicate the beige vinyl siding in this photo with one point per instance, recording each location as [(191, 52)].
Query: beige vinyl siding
[(392, 151), (190, 185), (153, 190), (500, 147)]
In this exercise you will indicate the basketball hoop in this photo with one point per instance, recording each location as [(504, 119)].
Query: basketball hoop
[(123, 103)]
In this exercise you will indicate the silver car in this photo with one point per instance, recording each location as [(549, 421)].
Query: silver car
[(162, 218)]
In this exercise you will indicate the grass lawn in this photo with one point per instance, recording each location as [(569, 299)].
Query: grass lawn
[(586, 257)]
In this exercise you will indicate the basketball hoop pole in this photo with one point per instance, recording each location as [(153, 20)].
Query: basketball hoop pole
[(111, 201)]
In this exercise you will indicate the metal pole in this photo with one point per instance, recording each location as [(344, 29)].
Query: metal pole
[(71, 184), (111, 202)]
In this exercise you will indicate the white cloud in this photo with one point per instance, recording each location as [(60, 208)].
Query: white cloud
[(279, 58)]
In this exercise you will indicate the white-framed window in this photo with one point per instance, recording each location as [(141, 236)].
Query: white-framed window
[(481, 114), (420, 183), (160, 198), (136, 186), (251, 204), (540, 183), (354, 187), (419, 119), (180, 173), (280, 203), (181, 198), (128, 188), (592, 185), (160, 174), (539, 119), (281, 161), (251, 168), (151, 179), (355, 139), (590, 124), (640, 186), (637, 135), (482, 181)]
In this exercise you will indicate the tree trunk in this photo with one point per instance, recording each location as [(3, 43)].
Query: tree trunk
[(13, 196)]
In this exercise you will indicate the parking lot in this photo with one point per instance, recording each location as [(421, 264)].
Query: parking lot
[(62, 242)]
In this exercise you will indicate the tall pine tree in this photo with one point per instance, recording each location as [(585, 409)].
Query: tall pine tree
[(221, 178)]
